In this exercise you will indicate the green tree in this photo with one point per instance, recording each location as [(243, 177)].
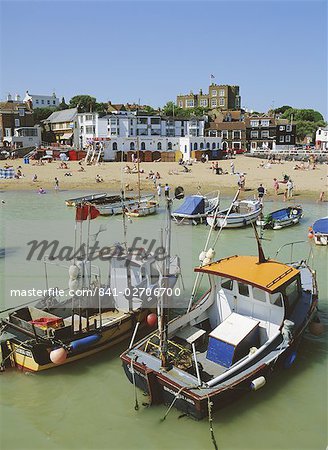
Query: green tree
[(62, 105), (307, 128), (42, 113), (282, 109), (308, 115), (84, 103), (101, 108)]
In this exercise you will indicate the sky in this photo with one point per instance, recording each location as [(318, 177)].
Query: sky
[(276, 51)]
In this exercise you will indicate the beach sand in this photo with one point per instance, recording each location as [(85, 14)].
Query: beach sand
[(307, 183)]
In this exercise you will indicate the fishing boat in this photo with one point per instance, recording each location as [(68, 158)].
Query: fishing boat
[(196, 208), (94, 313), (285, 217), (115, 208), (247, 324), (240, 214), (319, 231), (87, 198)]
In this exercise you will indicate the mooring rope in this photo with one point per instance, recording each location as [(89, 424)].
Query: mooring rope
[(210, 421), (136, 405)]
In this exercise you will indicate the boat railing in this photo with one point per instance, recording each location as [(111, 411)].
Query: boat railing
[(291, 245)]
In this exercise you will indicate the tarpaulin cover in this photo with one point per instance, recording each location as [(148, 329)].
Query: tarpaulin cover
[(192, 205), (321, 226)]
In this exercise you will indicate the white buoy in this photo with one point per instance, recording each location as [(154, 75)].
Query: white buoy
[(58, 356), (258, 383), (202, 256), (206, 261), (210, 253)]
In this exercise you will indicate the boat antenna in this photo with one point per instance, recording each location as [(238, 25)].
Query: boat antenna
[(262, 258), (199, 274), (123, 204)]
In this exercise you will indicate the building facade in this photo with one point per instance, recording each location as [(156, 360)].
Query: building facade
[(260, 132), (285, 133), (220, 96), (17, 125), (64, 126), (321, 139), (42, 101)]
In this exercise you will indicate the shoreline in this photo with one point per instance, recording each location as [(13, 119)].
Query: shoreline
[(308, 184)]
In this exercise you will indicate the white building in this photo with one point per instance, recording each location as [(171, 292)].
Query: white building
[(129, 131), (321, 139), (25, 137), (42, 101)]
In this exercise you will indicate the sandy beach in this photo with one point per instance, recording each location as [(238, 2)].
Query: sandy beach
[(307, 183)]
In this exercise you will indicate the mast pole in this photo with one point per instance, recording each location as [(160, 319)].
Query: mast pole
[(138, 166)]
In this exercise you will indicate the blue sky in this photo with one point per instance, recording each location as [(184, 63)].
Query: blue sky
[(122, 51)]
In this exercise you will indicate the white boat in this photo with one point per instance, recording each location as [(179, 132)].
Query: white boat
[(319, 231), (142, 209), (241, 214), (116, 208), (196, 208), (86, 198)]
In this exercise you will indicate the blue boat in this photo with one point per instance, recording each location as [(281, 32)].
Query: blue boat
[(281, 218), (195, 209), (319, 231)]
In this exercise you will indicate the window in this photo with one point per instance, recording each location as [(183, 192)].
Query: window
[(214, 102), (226, 283), (287, 138), (142, 120), (221, 92), (221, 101), (213, 145), (89, 129), (282, 128), (254, 134), (236, 145), (207, 145), (254, 123), (288, 128), (201, 145), (155, 121), (224, 134), (180, 104), (195, 146), (42, 101), (8, 132), (265, 134), (265, 123), (159, 146), (275, 299), (131, 145), (281, 139), (259, 294), (115, 146), (21, 112), (88, 117), (36, 102), (54, 102), (214, 93), (17, 123), (189, 103), (292, 292), (203, 102), (236, 134), (143, 146), (169, 145), (48, 102), (243, 289)]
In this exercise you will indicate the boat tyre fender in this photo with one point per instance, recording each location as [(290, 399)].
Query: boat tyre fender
[(244, 222)]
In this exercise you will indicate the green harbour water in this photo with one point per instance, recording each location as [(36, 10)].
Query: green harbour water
[(90, 404)]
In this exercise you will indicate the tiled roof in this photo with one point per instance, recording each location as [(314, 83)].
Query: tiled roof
[(228, 126), (12, 106), (66, 115)]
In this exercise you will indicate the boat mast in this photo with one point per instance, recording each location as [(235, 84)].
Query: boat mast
[(138, 166)]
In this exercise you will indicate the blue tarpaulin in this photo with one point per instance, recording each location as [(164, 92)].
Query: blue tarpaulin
[(194, 204), (280, 214), (321, 226)]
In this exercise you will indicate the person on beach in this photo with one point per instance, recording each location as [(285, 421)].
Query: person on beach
[(159, 190), (232, 166), (241, 181), (99, 179), (35, 177), (56, 184), (289, 188), (275, 186), (260, 193), (41, 191), (167, 190), (321, 197)]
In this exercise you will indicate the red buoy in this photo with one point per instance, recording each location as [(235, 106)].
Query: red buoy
[(310, 235), (151, 320)]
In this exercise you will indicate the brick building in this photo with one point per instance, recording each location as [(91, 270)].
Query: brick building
[(16, 119), (220, 96)]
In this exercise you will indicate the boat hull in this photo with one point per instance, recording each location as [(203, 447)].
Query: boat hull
[(234, 221)]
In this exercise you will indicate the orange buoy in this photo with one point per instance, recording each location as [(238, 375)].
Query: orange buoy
[(151, 320), (310, 235), (58, 356)]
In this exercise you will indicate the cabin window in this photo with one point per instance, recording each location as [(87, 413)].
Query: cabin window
[(259, 294), (243, 289), (292, 292), (226, 283), (275, 299)]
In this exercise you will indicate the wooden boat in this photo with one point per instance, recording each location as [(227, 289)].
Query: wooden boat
[(241, 214), (87, 198), (142, 209), (248, 323), (129, 202), (90, 316), (319, 231), (196, 208), (281, 218)]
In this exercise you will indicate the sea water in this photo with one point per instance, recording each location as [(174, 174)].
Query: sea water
[(90, 404)]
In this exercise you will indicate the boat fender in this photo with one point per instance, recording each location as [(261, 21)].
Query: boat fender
[(84, 342), (258, 383), (294, 212), (252, 350), (73, 272), (202, 256), (289, 360), (287, 330), (206, 261), (210, 253), (58, 356)]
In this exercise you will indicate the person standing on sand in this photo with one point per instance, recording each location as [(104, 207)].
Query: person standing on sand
[(260, 193), (167, 190), (159, 190), (56, 184), (232, 166), (290, 187), (275, 186)]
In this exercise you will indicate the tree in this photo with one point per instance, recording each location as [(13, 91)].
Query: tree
[(101, 108), (308, 115), (307, 128), (282, 109), (42, 113), (62, 105), (84, 103)]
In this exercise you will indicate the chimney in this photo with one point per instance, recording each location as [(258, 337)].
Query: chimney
[(17, 98), (9, 98)]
